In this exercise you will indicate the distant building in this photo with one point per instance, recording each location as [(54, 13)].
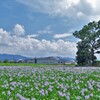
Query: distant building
[(49, 60), (31, 60), (20, 61)]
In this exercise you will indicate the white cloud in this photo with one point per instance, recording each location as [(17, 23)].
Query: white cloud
[(46, 6), (93, 3), (62, 35), (32, 36), (46, 30), (18, 30), (56, 7), (29, 46), (70, 9), (4, 37), (80, 14)]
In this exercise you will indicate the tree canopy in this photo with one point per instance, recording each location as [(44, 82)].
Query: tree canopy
[(89, 43)]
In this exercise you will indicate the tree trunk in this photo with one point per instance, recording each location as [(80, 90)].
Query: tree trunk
[(92, 57)]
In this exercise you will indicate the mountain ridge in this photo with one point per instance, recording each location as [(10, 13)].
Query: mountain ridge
[(11, 57), (17, 57)]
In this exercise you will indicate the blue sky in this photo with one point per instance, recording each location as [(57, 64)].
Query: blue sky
[(44, 27)]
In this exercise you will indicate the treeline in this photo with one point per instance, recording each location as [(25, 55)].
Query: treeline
[(7, 61)]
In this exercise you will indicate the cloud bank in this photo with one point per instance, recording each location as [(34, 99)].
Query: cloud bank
[(16, 42), (72, 9)]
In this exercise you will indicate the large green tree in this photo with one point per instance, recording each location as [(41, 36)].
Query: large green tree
[(89, 43)]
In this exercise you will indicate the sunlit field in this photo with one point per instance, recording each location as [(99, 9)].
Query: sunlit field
[(49, 83), (34, 65)]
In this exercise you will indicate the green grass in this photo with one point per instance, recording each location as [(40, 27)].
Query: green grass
[(22, 64), (34, 65)]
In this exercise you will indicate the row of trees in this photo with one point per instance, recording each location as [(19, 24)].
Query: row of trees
[(5, 61), (89, 43)]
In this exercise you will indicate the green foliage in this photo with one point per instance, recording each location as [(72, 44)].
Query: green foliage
[(5, 61), (97, 63), (89, 44), (0, 61), (34, 65)]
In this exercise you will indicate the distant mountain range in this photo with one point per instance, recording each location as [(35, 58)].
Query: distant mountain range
[(17, 57), (11, 57), (67, 58)]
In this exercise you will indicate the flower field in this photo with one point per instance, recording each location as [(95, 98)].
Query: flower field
[(49, 83)]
